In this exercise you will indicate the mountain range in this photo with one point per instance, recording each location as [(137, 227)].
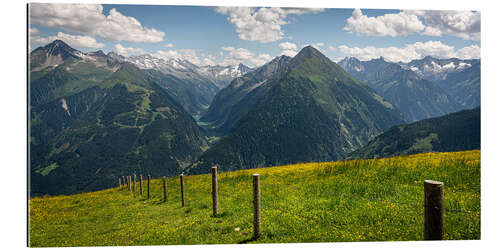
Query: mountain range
[(300, 109), (193, 86), (417, 98), (96, 116), (460, 78), (234, 101)]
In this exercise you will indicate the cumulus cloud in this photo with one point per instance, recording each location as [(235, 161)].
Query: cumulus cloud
[(169, 45), (187, 54), (229, 56), (331, 48), (288, 46), (416, 50), (464, 24), (234, 56), (386, 25), (126, 51), (208, 60), (260, 24), (34, 32), (72, 40), (469, 52), (169, 54), (89, 19), (318, 46), (289, 49), (290, 53)]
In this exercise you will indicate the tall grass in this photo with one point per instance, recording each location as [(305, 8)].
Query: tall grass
[(359, 200)]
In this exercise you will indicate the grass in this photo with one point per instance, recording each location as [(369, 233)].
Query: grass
[(360, 200)]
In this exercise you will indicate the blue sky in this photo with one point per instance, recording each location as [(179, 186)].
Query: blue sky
[(213, 35)]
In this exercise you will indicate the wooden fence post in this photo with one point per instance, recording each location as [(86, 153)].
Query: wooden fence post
[(149, 184), (129, 183), (215, 193), (133, 185), (434, 210), (119, 182), (140, 182), (256, 206), (182, 189), (123, 181), (164, 189)]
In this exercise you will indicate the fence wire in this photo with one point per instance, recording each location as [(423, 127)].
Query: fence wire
[(268, 187), (350, 195)]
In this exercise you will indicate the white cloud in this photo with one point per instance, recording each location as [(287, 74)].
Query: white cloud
[(290, 53), (261, 59), (234, 56), (126, 51), (393, 54), (464, 24), (260, 24), (169, 45), (34, 32), (90, 20), (188, 54), (71, 40), (433, 48), (289, 49), (470, 52), (416, 50), (229, 55), (318, 46), (386, 25), (209, 60), (331, 48), (288, 46)]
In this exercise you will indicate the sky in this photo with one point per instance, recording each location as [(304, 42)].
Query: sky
[(255, 35)]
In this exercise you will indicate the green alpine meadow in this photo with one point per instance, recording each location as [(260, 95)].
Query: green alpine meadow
[(355, 200), (192, 125)]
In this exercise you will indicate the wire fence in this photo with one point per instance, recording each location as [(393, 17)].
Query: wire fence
[(343, 195), (271, 200)]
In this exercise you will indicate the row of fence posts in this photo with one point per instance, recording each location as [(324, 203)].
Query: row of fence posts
[(433, 202), (130, 181)]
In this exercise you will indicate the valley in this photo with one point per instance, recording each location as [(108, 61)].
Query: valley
[(151, 125), (95, 116)]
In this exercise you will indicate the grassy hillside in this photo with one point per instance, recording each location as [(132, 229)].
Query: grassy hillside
[(453, 132), (361, 200)]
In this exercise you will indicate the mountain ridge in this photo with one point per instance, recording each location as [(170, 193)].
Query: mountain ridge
[(91, 123), (416, 97), (310, 110), (457, 131)]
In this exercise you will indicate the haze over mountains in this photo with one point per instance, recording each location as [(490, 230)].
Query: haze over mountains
[(422, 88), (97, 116), (460, 78)]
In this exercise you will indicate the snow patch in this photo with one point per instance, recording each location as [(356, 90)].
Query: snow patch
[(463, 65), (64, 105)]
